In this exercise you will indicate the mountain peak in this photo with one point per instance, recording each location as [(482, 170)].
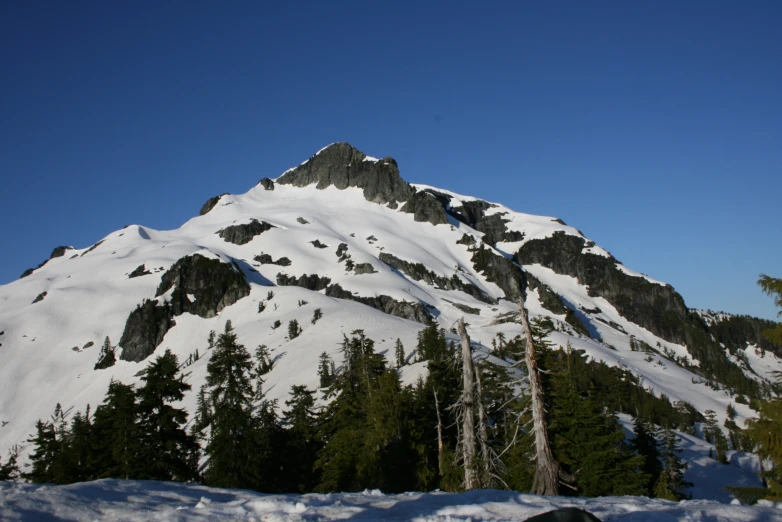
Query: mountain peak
[(341, 165)]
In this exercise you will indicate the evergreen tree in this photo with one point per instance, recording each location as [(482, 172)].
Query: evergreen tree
[(168, 452), (589, 442), (300, 421), (399, 353), (671, 484), (81, 447), (106, 357), (10, 470), (645, 444), (44, 453), (765, 432), (325, 370), (263, 365), (116, 437), (203, 414), (293, 329), (232, 443), (316, 315)]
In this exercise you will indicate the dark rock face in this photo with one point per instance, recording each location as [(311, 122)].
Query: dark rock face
[(243, 234), (139, 271), (501, 271), (318, 244), (266, 259), (40, 297), (412, 311), (210, 204), (93, 247), (425, 208), (342, 250), (28, 272), (657, 308), (144, 330), (311, 282), (365, 268), (548, 298), (473, 214), (214, 285), (267, 184), (302, 221), (419, 272), (60, 251), (343, 166)]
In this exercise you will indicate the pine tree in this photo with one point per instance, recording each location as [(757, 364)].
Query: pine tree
[(399, 353), (116, 437), (168, 451), (233, 438), (10, 470), (773, 288), (325, 370), (81, 447), (300, 421), (316, 315), (645, 444), (293, 329), (263, 365), (589, 442), (671, 484), (44, 453), (203, 414), (106, 357)]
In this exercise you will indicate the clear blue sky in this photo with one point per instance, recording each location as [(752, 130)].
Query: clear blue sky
[(654, 127)]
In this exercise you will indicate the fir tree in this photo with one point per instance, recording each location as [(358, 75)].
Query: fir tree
[(263, 365), (646, 445), (203, 414), (671, 484), (300, 422), (10, 470), (316, 315), (106, 357), (116, 437), (773, 288), (42, 458), (168, 452), (399, 353), (293, 329), (232, 442), (325, 370), (589, 442), (81, 447)]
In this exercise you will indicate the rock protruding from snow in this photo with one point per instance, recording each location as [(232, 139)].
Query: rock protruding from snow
[(210, 204), (412, 311), (212, 283), (267, 184), (426, 208), (342, 166), (243, 234), (144, 330)]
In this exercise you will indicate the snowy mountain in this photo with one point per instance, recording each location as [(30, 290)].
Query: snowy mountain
[(343, 233)]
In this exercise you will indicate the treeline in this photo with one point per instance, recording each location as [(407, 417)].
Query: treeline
[(374, 432)]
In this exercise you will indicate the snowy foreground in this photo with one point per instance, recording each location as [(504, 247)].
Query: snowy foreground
[(117, 500)]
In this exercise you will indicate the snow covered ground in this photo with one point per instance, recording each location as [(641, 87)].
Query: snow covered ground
[(131, 501)]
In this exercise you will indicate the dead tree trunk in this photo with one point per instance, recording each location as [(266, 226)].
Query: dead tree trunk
[(468, 421), (483, 437), (546, 481), (439, 435)]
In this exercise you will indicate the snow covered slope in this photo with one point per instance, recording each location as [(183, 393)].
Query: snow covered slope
[(408, 251)]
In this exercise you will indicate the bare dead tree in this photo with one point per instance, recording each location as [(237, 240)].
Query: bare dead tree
[(468, 420), (547, 470), (439, 435)]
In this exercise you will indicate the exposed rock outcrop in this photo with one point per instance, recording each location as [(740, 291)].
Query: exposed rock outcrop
[(425, 208), (57, 252), (212, 284), (243, 234), (309, 281), (342, 166), (412, 311), (266, 259), (419, 272), (548, 298), (40, 297), (139, 271), (210, 204), (364, 268), (500, 271), (267, 184), (144, 330)]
